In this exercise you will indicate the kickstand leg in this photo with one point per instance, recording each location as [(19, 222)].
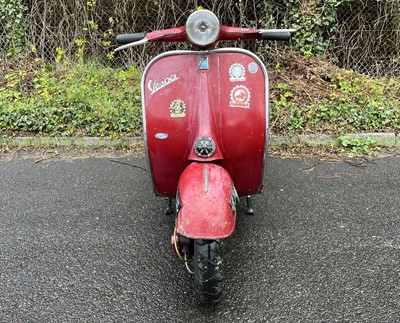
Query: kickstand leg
[(249, 209), (168, 210)]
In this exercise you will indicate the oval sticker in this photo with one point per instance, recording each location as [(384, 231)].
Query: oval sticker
[(161, 135)]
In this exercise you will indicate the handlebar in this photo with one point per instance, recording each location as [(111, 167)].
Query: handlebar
[(123, 39), (276, 34), (226, 33)]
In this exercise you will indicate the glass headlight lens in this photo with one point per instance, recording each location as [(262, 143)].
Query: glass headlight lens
[(202, 28)]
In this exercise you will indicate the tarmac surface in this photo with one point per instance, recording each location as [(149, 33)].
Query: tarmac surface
[(85, 240)]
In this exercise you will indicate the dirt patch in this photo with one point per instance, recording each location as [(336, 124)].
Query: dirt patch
[(329, 153), (309, 78), (41, 155)]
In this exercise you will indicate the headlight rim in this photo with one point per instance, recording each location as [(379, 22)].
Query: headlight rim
[(189, 34)]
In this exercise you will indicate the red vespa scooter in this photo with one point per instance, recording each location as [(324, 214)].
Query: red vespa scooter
[(205, 117)]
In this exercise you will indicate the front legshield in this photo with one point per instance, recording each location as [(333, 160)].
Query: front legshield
[(206, 202)]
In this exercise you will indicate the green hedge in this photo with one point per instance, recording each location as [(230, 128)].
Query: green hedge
[(74, 99), (89, 100)]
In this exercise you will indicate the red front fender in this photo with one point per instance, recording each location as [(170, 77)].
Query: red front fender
[(206, 202)]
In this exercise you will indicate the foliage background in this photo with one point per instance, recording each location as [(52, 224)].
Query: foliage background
[(59, 75), (363, 35)]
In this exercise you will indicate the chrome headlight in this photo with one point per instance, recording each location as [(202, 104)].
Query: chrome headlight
[(202, 28)]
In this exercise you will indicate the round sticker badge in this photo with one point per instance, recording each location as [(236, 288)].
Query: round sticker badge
[(237, 73), (253, 68), (177, 109), (240, 97)]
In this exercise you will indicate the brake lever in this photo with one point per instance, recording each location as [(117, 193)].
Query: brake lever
[(136, 43)]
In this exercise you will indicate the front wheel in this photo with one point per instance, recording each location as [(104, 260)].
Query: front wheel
[(208, 270)]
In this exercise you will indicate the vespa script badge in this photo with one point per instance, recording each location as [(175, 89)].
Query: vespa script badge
[(155, 86)]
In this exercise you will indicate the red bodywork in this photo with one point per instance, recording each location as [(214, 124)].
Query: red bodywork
[(212, 108), (178, 34), (219, 94), (206, 202)]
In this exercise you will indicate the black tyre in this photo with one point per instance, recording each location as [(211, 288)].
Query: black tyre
[(208, 271)]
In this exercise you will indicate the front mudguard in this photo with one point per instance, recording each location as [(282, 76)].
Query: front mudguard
[(206, 202)]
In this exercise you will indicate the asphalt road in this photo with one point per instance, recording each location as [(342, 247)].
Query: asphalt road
[(85, 240)]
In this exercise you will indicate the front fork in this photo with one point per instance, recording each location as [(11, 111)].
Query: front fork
[(249, 209), (183, 246)]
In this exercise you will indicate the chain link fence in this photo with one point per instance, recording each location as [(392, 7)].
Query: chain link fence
[(363, 35), (368, 37)]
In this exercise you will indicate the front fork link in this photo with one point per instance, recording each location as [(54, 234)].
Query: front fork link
[(183, 249), (181, 245)]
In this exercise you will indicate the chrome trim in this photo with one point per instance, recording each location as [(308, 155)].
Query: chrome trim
[(207, 52), (205, 178), (201, 141), (277, 30), (190, 36), (234, 199), (136, 43)]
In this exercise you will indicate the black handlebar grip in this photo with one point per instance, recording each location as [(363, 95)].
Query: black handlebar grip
[(123, 39), (276, 35)]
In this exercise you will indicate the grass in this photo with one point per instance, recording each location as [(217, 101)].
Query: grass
[(72, 99), (350, 103), (358, 146)]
